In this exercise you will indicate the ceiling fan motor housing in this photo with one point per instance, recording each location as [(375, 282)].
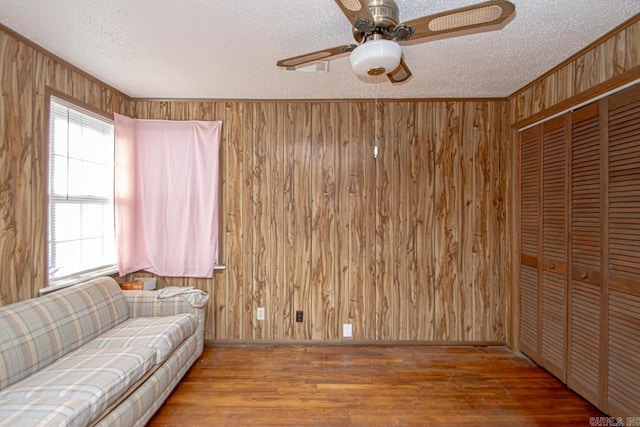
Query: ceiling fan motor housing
[(385, 15)]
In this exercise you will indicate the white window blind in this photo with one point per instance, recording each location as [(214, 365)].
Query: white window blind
[(81, 213)]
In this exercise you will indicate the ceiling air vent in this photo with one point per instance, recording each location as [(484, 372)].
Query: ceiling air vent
[(316, 67)]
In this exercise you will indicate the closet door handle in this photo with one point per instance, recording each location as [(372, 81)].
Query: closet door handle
[(584, 275), (552, 266)]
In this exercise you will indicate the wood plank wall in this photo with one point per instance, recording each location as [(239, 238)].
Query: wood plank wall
[(602, 66), (405, 247), (408, 246), (25, 73), (609, 63)]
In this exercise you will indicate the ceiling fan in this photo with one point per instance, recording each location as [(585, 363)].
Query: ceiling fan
[(377, 29)]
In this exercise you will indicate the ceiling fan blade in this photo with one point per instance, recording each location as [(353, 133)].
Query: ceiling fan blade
[(355, 9), (401, 73), (316, 56), (477, 16)]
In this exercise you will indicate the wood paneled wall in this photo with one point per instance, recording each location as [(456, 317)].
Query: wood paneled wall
[(408, 246), (607, 63), (25, 73)]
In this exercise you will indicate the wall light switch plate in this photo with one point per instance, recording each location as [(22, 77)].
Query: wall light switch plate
[(347, 330), (260, 313)]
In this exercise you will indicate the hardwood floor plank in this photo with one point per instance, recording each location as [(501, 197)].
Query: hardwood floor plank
[(325, 385)]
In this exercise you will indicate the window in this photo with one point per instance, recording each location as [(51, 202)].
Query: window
[(81, 214)]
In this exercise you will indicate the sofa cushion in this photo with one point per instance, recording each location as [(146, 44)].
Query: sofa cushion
[(163, 334), (35, 332), (96, 376), (44, 411)]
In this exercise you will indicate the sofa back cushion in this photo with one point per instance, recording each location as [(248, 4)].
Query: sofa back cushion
[(36, 332)]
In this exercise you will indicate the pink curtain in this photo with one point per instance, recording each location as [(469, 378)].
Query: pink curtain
[(166, 196)]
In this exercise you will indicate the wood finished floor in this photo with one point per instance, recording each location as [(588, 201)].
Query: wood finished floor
[(261, 385)]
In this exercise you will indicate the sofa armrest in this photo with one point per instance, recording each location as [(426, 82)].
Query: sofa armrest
[(147, 304)]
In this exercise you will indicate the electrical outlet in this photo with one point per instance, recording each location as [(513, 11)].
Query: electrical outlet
[(347, 330), (299, 316), (260, 313)]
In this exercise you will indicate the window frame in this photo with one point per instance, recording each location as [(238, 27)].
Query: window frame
[(81, 107)]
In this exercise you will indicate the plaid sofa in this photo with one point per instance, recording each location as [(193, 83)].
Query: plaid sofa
[(93, 354)]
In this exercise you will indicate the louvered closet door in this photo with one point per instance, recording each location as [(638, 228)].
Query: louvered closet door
[(529, 237), (623, 393), (584, 340), (554, 243)]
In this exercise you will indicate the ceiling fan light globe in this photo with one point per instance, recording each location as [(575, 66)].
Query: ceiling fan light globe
[(376, 57)]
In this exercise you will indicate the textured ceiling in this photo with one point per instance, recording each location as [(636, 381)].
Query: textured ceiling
[(228, 49)]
